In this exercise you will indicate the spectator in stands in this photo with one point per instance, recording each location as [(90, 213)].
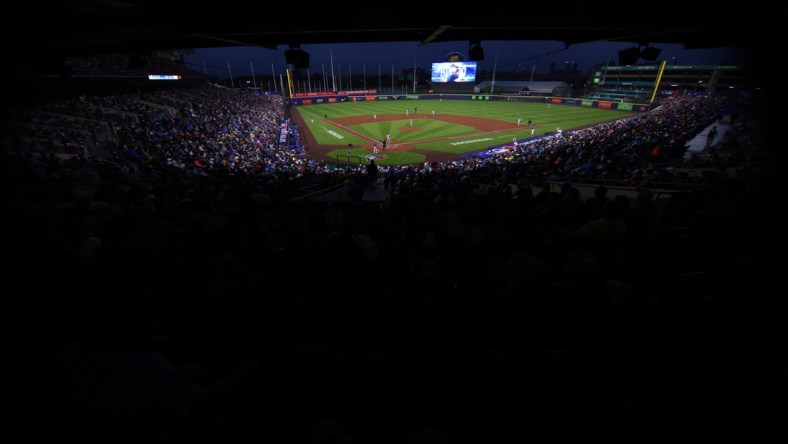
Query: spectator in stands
[(572, 206), (711, 136), (594, 206), (611, 227), (372, 169), (115, 386), (643, 217)]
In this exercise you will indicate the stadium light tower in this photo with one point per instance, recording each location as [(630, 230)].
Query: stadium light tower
[(476, 52)]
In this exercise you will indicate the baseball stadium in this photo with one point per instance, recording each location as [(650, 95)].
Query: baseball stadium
[(457, 254)]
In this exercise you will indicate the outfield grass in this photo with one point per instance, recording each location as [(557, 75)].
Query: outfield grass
[(545, 118)]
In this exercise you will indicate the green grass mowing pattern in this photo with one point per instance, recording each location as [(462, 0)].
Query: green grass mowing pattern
[(546, 119), (327, 133), (401, 131), (467, 145), (539, 113), (391, 158)]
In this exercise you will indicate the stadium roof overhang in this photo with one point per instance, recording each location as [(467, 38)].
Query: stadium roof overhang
[(99, 26)]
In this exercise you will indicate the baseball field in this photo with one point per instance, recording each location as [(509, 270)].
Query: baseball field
[(431, 130)]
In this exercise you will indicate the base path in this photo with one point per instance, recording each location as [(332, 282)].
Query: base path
[(319, 152)]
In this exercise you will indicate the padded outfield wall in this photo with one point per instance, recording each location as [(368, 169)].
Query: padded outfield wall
[(323, 98)]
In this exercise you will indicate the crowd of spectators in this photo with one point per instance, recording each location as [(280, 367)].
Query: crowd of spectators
[(173, 284), (120, 65)]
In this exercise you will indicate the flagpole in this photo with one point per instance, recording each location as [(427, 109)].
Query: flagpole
[(254, 82), (273, 77), (325, 82), (533, 69), (392, 79), (339, 72), (365, 75), (414, 73), (333, 79), (349, 78), (231, 75), (604, 73), (379, 79), (495, 65), (309, 79), (711, 86)]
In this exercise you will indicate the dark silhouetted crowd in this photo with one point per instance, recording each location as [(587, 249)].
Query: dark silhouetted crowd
[(175, 272)]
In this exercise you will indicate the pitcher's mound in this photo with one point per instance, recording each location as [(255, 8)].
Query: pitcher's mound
[(410, 128)]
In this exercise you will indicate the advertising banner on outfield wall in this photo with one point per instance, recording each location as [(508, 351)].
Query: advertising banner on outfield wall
[(360, 92), (314, 94), (603, 104), (311, 100)]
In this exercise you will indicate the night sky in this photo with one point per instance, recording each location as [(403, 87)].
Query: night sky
[(522, 56)]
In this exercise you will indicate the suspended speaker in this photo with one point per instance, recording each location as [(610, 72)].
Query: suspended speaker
[(476, 53), (650, 53), (297, 57), (628, 56)]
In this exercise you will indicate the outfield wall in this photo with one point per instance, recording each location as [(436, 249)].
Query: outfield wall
[(602, 104), (317, 100)]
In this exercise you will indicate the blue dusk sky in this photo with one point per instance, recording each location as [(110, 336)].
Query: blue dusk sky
[(522, 56)]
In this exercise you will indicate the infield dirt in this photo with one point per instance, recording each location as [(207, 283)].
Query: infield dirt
[(319, 152)]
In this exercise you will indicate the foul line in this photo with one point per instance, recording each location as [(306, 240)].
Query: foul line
[(364, 136)]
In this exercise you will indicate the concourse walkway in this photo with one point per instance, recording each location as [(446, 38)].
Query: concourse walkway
[(698, 143)]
